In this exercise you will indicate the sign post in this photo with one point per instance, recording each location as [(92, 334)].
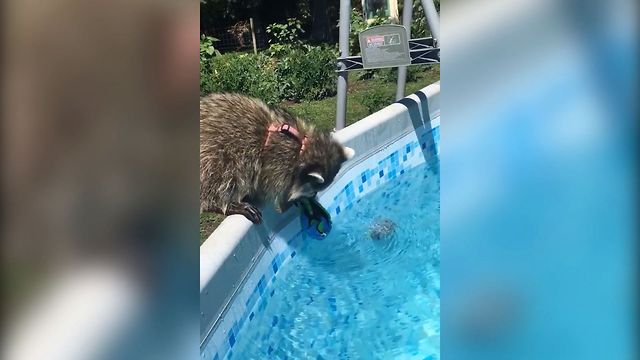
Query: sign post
[(384, 46)]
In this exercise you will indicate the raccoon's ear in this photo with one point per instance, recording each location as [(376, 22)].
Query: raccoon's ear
[(348, 152), (318, 178)]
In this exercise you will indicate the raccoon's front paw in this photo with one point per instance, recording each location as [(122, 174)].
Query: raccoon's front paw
[(253, 214), (247, 210)]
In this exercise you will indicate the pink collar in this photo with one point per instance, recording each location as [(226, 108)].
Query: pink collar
[(289, 130)]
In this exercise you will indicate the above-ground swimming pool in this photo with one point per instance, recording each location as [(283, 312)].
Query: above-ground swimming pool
[(371, 289), (350, 296)]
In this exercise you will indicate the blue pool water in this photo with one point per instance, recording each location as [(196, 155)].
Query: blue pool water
[(352, 297)]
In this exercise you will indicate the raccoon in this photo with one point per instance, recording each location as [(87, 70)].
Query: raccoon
[(252, 154)]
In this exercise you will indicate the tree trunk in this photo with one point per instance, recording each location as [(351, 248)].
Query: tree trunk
[(320, 27)]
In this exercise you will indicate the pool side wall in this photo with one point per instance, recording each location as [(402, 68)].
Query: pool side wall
[(239, 260)]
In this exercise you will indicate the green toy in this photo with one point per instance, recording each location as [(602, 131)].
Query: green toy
[(314, 218)]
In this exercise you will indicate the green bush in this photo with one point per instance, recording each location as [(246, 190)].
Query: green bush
[(293, 73), (306, 73), (207, 50), (391, 74), (207, 85), (287, 33), (248, 74), (375, 99)]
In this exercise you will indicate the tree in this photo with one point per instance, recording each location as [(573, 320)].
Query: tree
[(320, 22), (318, 17)]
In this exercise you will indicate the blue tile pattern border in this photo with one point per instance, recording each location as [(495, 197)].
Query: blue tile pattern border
[(410, 151), (415, 148)]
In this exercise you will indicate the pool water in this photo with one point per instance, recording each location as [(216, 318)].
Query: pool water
[(353, 297)]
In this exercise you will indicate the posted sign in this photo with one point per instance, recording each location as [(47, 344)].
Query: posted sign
[(384, 46)]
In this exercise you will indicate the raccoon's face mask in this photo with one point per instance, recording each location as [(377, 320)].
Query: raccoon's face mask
[(315, 177)]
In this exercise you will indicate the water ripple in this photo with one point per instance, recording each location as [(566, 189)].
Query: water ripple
[(351, 296)]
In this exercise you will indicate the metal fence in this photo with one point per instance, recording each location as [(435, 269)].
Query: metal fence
[(240, 37)]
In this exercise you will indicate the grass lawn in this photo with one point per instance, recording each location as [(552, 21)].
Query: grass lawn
[(208, 223), (363, 98)]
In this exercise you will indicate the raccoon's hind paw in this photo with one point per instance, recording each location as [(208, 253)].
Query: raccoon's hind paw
[(249, 211)]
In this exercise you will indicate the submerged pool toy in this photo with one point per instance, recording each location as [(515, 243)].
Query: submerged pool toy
[(315, 219)]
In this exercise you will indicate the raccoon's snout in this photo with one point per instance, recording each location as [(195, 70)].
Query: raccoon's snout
[(297, 196), (322, 162), (303, 191)]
